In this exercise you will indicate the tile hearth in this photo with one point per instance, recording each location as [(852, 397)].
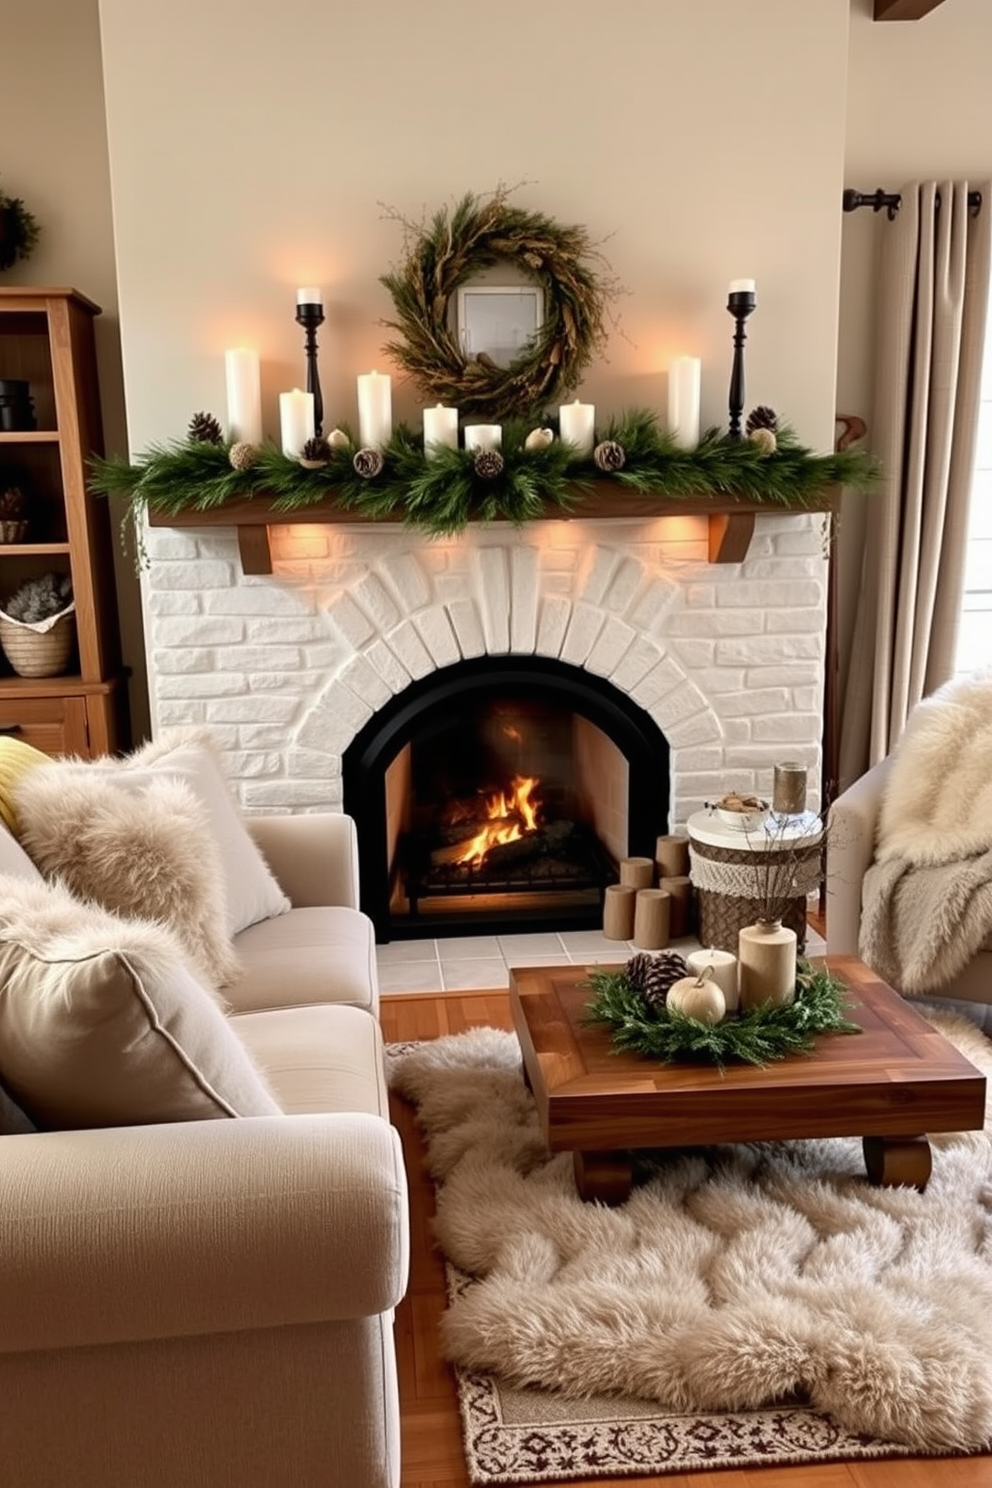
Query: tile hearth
[(469, 963)]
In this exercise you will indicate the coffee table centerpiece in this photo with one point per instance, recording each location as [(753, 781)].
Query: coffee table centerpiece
[(653, 1011)]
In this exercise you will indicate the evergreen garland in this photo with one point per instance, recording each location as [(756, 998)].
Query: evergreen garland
[(443, 493), (19, 231), (757, 1037)]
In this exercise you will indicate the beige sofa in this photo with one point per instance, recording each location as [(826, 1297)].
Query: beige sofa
[(209, 1303), (850, 852)]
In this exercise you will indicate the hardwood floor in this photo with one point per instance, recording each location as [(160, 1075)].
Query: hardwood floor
[(432, 1449)]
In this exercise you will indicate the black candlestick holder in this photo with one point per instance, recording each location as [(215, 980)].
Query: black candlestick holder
[(310, 316), (740, 303)]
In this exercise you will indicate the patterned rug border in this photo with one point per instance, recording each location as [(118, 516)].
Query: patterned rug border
[(497, 1451)]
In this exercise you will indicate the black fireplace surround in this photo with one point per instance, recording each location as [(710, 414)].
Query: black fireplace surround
[(458, 689)]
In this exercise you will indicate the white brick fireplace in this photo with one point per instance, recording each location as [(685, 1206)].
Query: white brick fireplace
[(728, 659)]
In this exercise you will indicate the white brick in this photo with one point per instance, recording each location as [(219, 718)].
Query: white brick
[(268, 599), (304, 684), (694, 654), (666, 686), (252, 710), (374, 599), (790, 727), (806, 699), (701, 728), (612, 644), (293, 793), (654, 604), (202, 685), (695, 623), (326, 656), (736, 730), (251, 659), (493, 591), (258, 735), (624, 584), (177, 713), (770, 649), (409, 581), (245, 765), (583, 627), (642, 656), (786, 568), (600, 566), (352, 622), (312, 764), (524, 592), (713, 680), (335, 721), (796, 620), (388, 665), (198, 575), (770, 594), (756, 700), (165, 545), (179, 602), (800, 673), (363, 679), (410, 649), (552, 624), (467, 626), (287, 630), (199, 631), (435, 631)]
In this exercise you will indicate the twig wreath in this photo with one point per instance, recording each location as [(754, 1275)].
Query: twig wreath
[(756, 1037), (475, 234)]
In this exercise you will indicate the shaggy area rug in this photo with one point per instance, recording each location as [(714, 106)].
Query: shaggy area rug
[(749, 1303)]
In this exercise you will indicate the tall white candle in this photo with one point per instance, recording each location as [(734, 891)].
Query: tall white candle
[(683, 401), (295, 421), (375, 410), (244, 395), (720, 967), (483, 436), (577, 423), (308, 296), (440, 427), (741, 286)]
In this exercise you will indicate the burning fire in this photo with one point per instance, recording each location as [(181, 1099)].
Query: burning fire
[(511, 814)]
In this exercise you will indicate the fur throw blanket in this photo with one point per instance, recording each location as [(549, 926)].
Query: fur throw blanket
[(927, 899)]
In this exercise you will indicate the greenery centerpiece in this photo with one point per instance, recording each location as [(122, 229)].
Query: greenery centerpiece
[(19, 230), (649, 1026)]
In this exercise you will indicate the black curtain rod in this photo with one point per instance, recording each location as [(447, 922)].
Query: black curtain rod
[(892, 201)]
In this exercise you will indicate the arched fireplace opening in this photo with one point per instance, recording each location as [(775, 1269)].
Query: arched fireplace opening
[(499, 794)]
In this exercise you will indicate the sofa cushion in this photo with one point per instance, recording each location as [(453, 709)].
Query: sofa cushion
[(149, 853), (314, 955), (318, 1059), (14, 860), (102, 1024), (13, 1121)]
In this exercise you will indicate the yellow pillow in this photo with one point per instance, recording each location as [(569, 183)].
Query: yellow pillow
[(16, 759)]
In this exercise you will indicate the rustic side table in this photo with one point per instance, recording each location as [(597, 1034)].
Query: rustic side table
[(729, 870)]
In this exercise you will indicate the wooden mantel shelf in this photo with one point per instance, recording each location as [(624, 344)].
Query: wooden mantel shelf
[(731, 520)]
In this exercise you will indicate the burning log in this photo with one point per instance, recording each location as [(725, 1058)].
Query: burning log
[(463, 830)]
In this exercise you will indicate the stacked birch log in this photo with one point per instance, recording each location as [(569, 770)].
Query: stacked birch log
[(652, 903)]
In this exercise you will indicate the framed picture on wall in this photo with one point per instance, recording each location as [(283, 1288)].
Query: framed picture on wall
[(499, 320)]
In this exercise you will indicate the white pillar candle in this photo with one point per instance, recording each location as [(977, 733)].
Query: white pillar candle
[(683, 401), (295, 421), (577, 423), (375, 410), (720, 967), (483, 436), (741, 286), (308, 296), (244, 395), (440, 427)]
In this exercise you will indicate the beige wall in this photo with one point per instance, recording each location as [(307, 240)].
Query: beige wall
[(252, 149), (919, 108), (54, 156)]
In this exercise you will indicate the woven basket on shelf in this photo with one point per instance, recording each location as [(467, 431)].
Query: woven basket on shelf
[(38, 653), (13, 531)]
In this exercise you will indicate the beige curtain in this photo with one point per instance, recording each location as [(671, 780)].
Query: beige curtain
[(931, 302)]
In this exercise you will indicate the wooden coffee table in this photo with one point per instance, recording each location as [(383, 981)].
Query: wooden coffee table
[(890, 1085)]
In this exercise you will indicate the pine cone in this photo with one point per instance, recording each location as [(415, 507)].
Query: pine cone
[(12, 503), (610, 455), (368, 463), (764, 439), (488, 464), (204, 429), (243, 455), (315, 453), (761, 417), (653, 975)]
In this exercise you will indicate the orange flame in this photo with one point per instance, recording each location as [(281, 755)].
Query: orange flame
[(517, 804)]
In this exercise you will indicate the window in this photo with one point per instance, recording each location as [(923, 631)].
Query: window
[(974, 647)]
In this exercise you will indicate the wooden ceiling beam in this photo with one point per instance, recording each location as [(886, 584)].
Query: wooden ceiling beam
[(904, 10)]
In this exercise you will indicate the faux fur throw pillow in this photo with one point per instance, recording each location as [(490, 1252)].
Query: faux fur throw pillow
[(148, 854), (937, 806)]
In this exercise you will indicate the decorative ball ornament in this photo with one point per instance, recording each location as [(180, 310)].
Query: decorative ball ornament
[(12, 502), (488, 464), (654, 976), (204, 429), (761, 417), (609, 455), (315, 454), (764, 439), (243, 455), (338, 439), (699, 999), (368, 463), (539, 439)]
